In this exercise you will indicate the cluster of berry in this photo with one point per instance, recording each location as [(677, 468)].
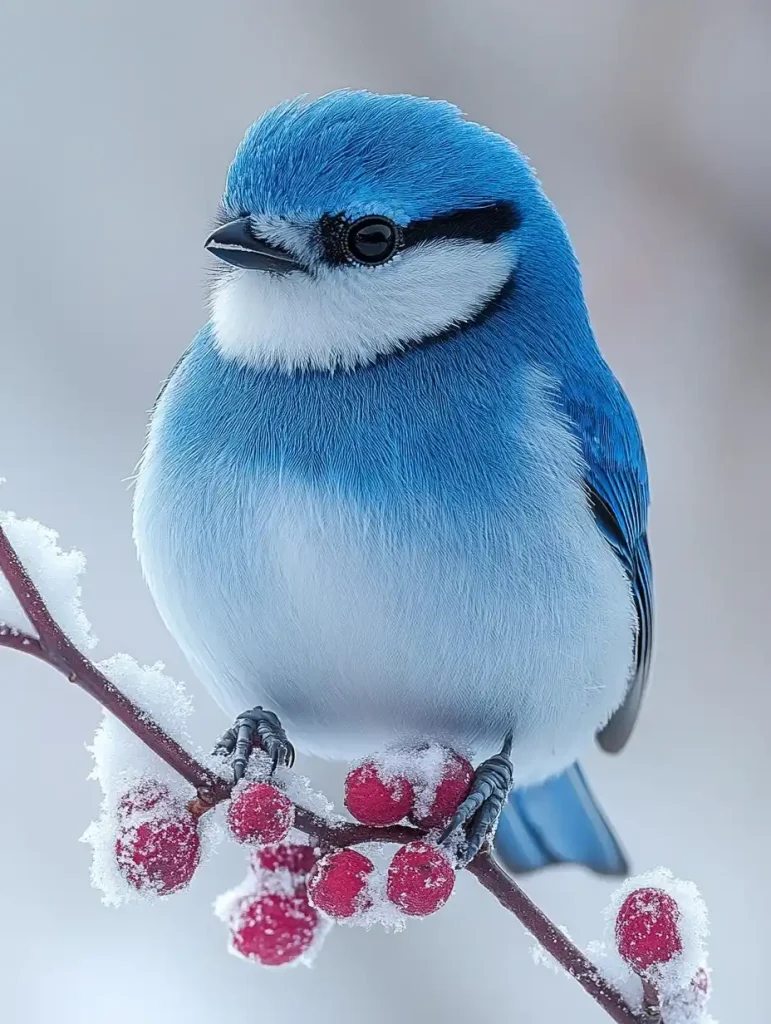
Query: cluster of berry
[(158, 849), (294, 890)]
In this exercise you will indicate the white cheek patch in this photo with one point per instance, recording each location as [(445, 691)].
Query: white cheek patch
[(348, 316)]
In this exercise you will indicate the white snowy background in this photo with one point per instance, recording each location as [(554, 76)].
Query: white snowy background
[(648, 125)]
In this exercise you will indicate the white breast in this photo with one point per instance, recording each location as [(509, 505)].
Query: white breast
[(357, 637)]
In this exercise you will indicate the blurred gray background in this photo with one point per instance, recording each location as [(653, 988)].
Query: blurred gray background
[(648, 124)]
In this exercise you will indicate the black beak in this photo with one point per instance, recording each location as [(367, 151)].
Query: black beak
[(236, 243)]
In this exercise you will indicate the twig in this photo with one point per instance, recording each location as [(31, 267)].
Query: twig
[(52, 646), (18, 641), (554, 941)]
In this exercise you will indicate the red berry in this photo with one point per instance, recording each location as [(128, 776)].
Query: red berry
[(260, 814), (143, 797), (294, 857), (375, 799), (453, 788), (420, 879), (274, 929), (160, 855), (337, 885), (647, 928)]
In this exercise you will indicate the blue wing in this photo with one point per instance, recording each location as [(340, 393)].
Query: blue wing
[(617, 486)]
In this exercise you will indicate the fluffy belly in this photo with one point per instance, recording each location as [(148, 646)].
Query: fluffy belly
[(360, 631)]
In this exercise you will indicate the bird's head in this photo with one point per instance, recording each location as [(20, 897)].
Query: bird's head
[(357, 224)]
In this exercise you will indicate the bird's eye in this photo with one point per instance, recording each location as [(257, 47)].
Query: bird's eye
[(372, 240)]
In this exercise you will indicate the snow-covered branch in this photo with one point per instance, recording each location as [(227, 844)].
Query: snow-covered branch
[(149, 835)]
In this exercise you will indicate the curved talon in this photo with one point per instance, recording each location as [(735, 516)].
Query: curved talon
[(251, 729), (480, 810)]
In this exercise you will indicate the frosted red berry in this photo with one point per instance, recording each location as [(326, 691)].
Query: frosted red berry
[(295, 858), (146, 796), (453, 788), (374, 798), (647, 931), (161, 855), (420, 879), (260, 814), (338, 883), (274, 928)]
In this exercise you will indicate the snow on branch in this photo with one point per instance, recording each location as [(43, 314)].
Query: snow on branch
[(308, 867)]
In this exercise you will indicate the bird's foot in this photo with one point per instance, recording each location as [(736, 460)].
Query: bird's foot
[(257, 728), (478, 814)]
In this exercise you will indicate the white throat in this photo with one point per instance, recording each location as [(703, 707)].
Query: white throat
[(347, 316)]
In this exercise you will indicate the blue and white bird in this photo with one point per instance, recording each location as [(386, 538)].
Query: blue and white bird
[(392, 490)]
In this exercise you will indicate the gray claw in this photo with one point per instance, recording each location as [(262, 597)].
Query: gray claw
[(479, 812), (255, 728)]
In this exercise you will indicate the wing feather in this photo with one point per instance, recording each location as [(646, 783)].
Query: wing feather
[(616, 479)]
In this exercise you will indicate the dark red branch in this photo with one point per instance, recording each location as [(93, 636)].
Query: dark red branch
[(52, 646), (58, 651), (514, 899)]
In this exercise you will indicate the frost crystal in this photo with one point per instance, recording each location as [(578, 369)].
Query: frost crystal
[(54, 572), (543, 958)]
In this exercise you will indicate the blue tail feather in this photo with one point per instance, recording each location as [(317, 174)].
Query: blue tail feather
[(557, 822)]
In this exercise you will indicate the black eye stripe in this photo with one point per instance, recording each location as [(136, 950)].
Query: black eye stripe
[(483, 224)]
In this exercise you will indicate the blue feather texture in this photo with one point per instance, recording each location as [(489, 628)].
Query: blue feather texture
[(402, 156), (442, 535)]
